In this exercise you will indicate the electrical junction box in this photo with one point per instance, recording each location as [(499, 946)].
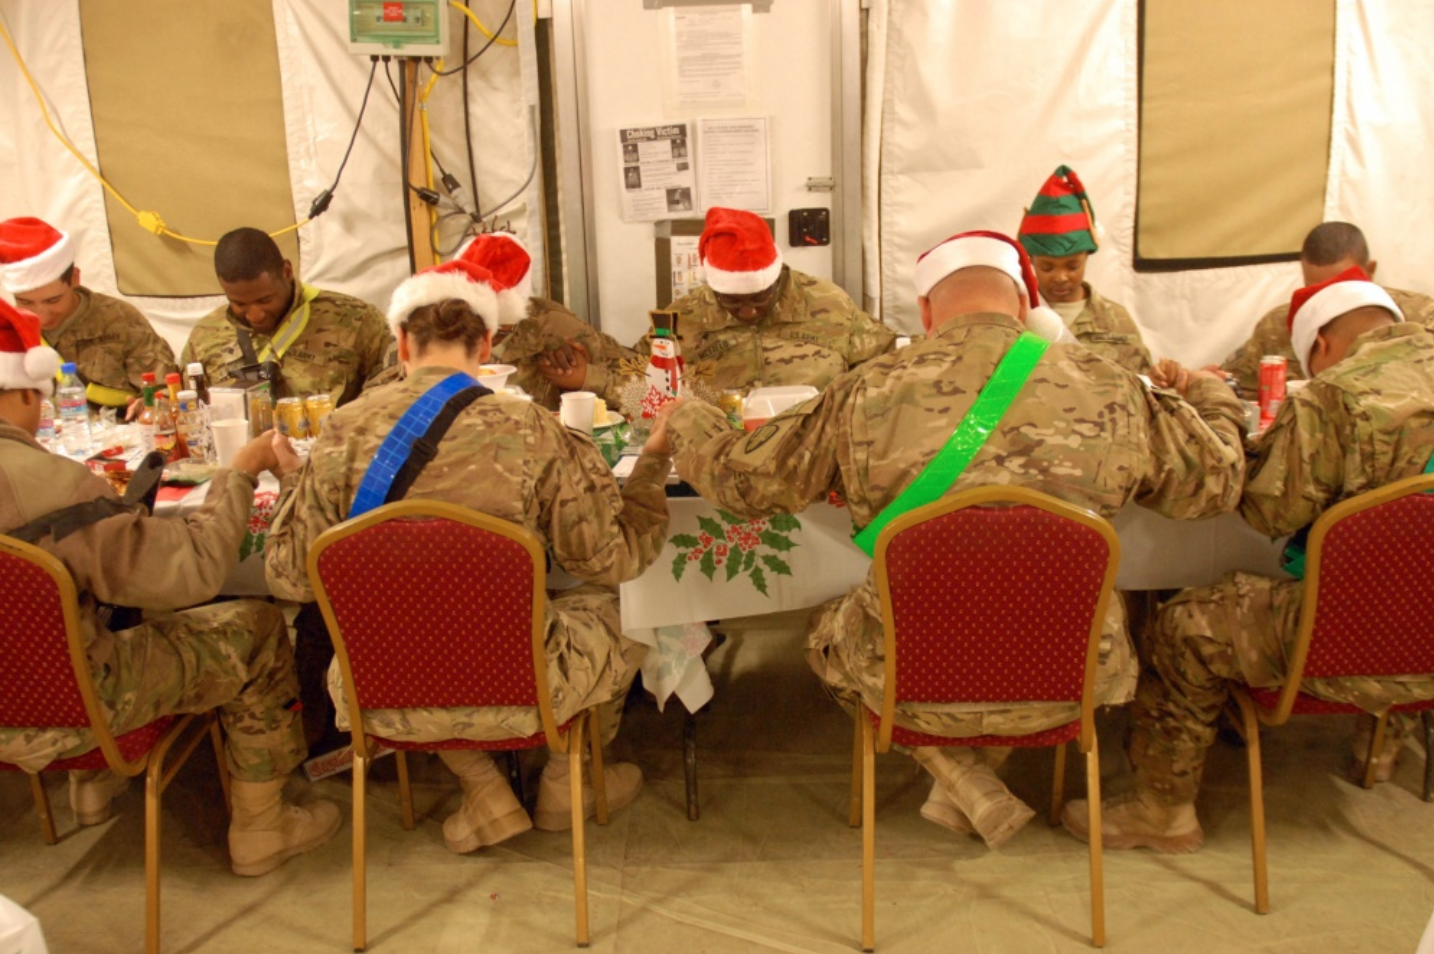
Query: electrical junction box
[(398, 27), (809, 227)]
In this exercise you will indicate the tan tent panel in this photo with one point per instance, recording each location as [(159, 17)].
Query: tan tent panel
[(1234, 141), (189, 123)]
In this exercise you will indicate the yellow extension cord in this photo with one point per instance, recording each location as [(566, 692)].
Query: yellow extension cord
[(151, 221), (148, 220)]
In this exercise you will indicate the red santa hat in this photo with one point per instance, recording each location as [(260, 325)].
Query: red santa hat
[(738, 252), (32, 253), (26, 362), (991, 250), (505, 256), (458, 279), (1315, 306)]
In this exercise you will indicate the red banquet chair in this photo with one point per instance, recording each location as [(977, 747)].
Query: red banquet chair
[(1365, 612), (996, 594), (432, 604), (46, 682)]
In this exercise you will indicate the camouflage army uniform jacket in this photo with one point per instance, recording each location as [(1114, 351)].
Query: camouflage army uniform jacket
[(112, 344), (813, 333), (1082, 430), (1106, 328), (1363, 423), (129, 559), (506, 457), (549, 326), (345, 347), (1272, 336)]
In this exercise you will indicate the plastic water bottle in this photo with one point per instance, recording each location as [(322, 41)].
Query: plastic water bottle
[(45, 433), (74, 412)]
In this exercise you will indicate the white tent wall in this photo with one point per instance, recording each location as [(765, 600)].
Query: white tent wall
[(360, 245), (792, 50), (976, 103)]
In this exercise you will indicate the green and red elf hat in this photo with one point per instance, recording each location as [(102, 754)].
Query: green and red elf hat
[(1060, 222)]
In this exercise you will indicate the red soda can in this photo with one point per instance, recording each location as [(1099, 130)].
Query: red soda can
[(1272, 387)]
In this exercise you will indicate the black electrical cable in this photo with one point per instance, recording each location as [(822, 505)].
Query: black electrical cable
[(405, 118), (373, 68), (321, 201), (468, 229), (484, 49)]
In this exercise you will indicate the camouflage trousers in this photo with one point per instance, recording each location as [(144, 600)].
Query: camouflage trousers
[(846, 649), (590, 664), (232, 656), (1240, 630)]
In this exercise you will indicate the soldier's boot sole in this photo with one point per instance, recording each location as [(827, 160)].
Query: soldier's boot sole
[(554, 811), (92, 795), (1128, 823), (941, 810), (299, 828)]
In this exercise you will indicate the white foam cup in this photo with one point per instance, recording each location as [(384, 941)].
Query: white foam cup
[(229, 436), (578, 409)]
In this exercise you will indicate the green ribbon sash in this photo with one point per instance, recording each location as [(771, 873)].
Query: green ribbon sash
[(951, 462)]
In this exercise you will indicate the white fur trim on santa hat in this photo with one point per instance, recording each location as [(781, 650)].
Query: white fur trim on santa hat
[(432, 288), (32, 371), (41, 269), (967, 251), (743, 283), (1327, 305), (513, 304), (1044, 322)]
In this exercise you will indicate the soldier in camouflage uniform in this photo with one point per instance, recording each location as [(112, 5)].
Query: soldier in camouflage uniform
[(550, 332), (755, 323), (506, 457), (231, 656), (1081, 429), (1365, 419), (535, 331), (1329, 249), (323, 342), (1058, 231), (109, 341)]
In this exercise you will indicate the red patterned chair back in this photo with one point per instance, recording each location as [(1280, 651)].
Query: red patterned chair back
[(996, 594), (1369, 588), (38, 608), (431, 604)]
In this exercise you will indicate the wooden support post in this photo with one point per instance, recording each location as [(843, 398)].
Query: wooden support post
[(420, 245)]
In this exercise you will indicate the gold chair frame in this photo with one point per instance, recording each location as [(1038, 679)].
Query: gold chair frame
[(557, 742), (1252, 716), (869, 741), (181, 738)]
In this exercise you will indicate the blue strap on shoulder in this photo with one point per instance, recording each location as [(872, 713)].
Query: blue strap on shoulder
[(397, 447)]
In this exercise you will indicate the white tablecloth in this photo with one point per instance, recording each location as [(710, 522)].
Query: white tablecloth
[(717, 567), (19, 930)]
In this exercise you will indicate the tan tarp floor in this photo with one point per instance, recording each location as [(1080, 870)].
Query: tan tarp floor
[(771, 865)]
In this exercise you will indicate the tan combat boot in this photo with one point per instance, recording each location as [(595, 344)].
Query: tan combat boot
[(265, 831), (974, 789), (1129, 821), (939, 808), (92, 794), (491, 813), (1395, 732), (555, 802)]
